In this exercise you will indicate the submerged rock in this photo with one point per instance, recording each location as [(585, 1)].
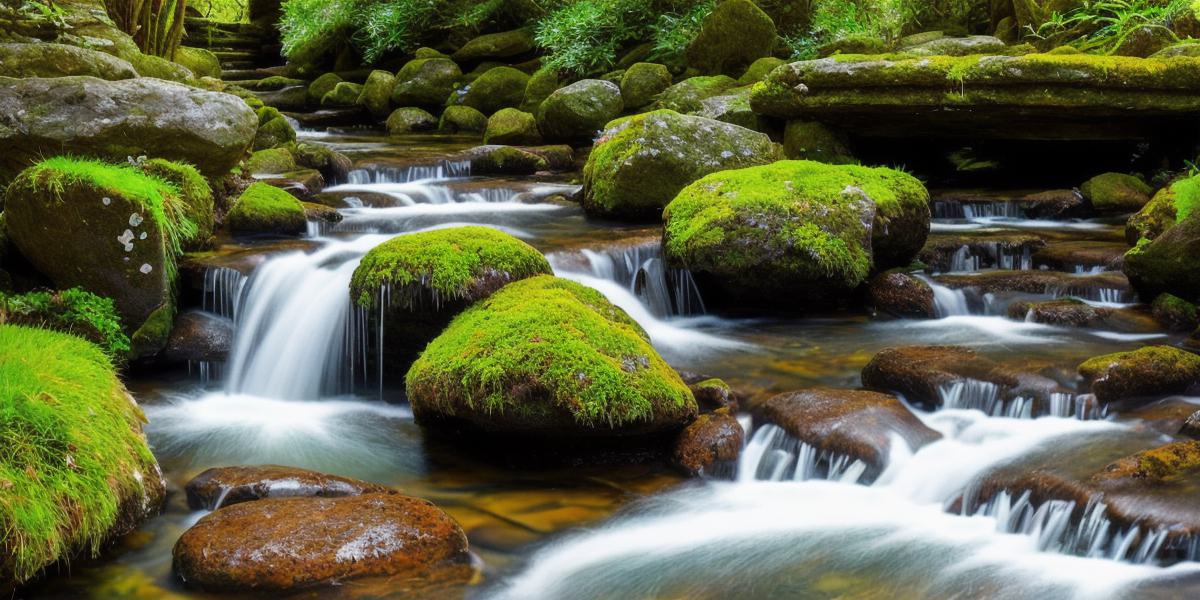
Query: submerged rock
[(225, 486), (1148, 372), (709, 445)]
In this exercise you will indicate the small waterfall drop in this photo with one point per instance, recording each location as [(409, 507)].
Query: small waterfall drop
[(947, 302)]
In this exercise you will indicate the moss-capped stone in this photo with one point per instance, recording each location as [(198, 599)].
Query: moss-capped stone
[(1168, 263), (408, 119), (201, 62), (60, 60), (110, 229), (275, 132), (197, 197), (273, 161), (504, 160), (344, 93), (161, 68), (321, 86), (541, 84), (688, 95), (642, 82), (334, 166), (75, 311), (731, 37), (1145, 373), (795, 227), (511, 126), (504, 44), (759, 69), (1114, 193), (497, 88), (425, 82), (76, 469), (1169, 206), (462, 118), (1175, 313), (732, 107), (809, 140), (548, 357), (641, 162), (377, 93), (265, 209), (579, 110)]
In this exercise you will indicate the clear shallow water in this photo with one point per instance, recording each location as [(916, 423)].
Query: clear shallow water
[(297, 392)]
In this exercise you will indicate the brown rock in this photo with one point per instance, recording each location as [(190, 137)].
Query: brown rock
[(712, 440), (199, 336), (224, 486), (713, 394), (1148, 372), (1056, 204), (1191, 427), (919, 372), (901, 294)]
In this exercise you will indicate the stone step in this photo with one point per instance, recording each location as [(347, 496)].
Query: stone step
[(1109, 286)]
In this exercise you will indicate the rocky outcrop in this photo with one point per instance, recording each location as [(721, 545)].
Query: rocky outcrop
[(926, 375), (578, 111), (1167, 264), (60, 60)]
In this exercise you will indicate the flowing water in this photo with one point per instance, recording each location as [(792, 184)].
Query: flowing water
[(300, 389)]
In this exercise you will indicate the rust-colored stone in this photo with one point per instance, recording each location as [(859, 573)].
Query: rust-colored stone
[(224, 486)]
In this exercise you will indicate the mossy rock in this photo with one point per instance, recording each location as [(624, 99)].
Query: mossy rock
[(321, 86), (60, 60), (496, 88), (343, 94), (75, 311), (425, 82), (733, 35), (578, 111), (1168, 263), (759, 69), (161, 68), (541, 84), (422, 280), (1175, 313), (798, 228), (197, 197), (271, 162), (409, 119), (267, 114), (854, 44), (333, 166), (1167, 207), (504, 160), (425, 52), (377, 93), (547, 357), (642, 82), (109, 229), (462, 119), (511, 126), (1115, 193), (275, 132), (641, 162), (76, 469), (201, 62), (732, 107), (504, 44), (809, 140), (262, 208), (1147, 373), (688, 95)]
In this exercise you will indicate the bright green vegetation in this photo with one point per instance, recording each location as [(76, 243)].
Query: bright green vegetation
[(1116, 192), (263, 208), (444, 264), (73, 311), (72, 456), (222, 11), (161, 200), (197, 205), (1169, 206), (1105, 27), (1147, 359), (542, 347)]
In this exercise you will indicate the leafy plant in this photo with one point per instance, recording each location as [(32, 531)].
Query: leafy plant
[(75, 311), (396, 25), (674, 32), (1103, 26)]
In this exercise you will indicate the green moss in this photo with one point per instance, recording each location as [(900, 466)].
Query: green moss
[(275, 132), (75, 311), (1175, 312), (542, 346), (197, 196), (1116, 192), (462, 118), (1148, 359), (496, 88), (731, 37), (70, 449), (263, 208), (809, 140), (445, 263), (271, 161), (152, 336), (344, 93), (507, 159), (321, 86), (687, 95), (541, 84), (511, 126), (642, 82)]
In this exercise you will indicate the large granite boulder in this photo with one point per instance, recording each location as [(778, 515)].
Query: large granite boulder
[(60, 60)]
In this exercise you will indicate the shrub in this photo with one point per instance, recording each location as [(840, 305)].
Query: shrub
[(75, 311), (1104, 25)]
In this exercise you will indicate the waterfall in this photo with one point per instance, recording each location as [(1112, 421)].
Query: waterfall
[(971, 258), (773, 455), (954, 209), (222, 290), (947, 302), (640, 267)]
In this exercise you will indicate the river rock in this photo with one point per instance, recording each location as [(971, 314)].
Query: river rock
[(511, 126), (462, 119), (1191, 427), (990, 250), (1068, 312), (1175, 313), (712, 394), (503, 160), (119, 119), (640, 163), (1148, 372), (409, 119), (496, 88), (323, 85), (425, 82), (1167, 264), (60, 60), (1168, 206), (688, 95), (1082, 254), (283, 544), (377, 93), (344, 93), (225, 486), (902, 295), (541, 84), (859, 424), (809, 140), (262, 208), (199, 336), (732, 107), (925, 375), (1108, 285), (1056, 205), (710, 445), (731, 37), (1116, 193), (578, 111), (641, 82), (504, 44)]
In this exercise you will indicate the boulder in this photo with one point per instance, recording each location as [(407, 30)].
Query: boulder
[(642, 82), (503, 160), (333, 166), (640, 163), (284, 544), (409, 119), (274, 132), (60, 60), (1167, 264), (511, 126), (712, 394), (927, 376), (732, 107), (273, 161), (1116, 193), (759, 69), (344, 93), (709, 445), (1166, 208), (808, 140), (1175, 313), (462, 119), (262, 208), (376, 93), (1146, 373), (160, 68), (541, 84), (322, 85), (733, 35), (496, 88), (956, 46), (199, 336), (201, 62), (491, 46), (1056, 205), (225, 486), (687, 95), (578, 111), (119, 119), (901, 294), (425, 82), (548, 358), (195, 194)]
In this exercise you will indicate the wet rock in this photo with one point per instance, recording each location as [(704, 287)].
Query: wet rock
[(321, 213), (462, 119), (980, 250), (284, 544), (709, 445), (713, 394), (857, 423), (1082, 255), (344, 93), (1148, 372), (60, 60), (902, 295), (688, 95), (1110, 285), (497, 88), (118, 119), (322, 85), (1175, 313), (1116, 193), (731, 37), (558, 157), (425, 82), (1168, 416), (1068, 312), (262, 208), (199, 336), (333, 166), (1191, 427), (1167, 264), (409, 119), (579, 110), (924, 375), (1055, 205), (225, 486), (303, 184), (511, 126), (642, 82), (504, 44), (377, 93), (503, 160), (1163, 211)]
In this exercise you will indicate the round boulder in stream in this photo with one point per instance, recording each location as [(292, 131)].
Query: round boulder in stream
[(794, 232), (1168, 263), (951, 376), (422, 280), (1146, 373), (225, 486), (547, 358), (579, 110)]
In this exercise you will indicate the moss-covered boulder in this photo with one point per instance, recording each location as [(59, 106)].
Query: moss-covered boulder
[(496, 88), (409, 119), (377, 93), (344, 93), (1175, 313), (76, 469), (731, 37), (75, 311), (1115, 193), (321, 86), (1168, 263), (110, 229), (579, 110), (333, 166), (548, 357), (808, 140), (420, 281), (273, 161), (1169, 206), (201, 62), (425, 82), (195, 194), (642, 82), (262, 208), (541, 84), (60, 60), (462, 119), (1146, 373), (791, 230), (688, 95), (119, 119), (504, 160), (490, 46), (759, 69), (274, 132), (732, 107), (511, 126), (641, 162), (160, 68)]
